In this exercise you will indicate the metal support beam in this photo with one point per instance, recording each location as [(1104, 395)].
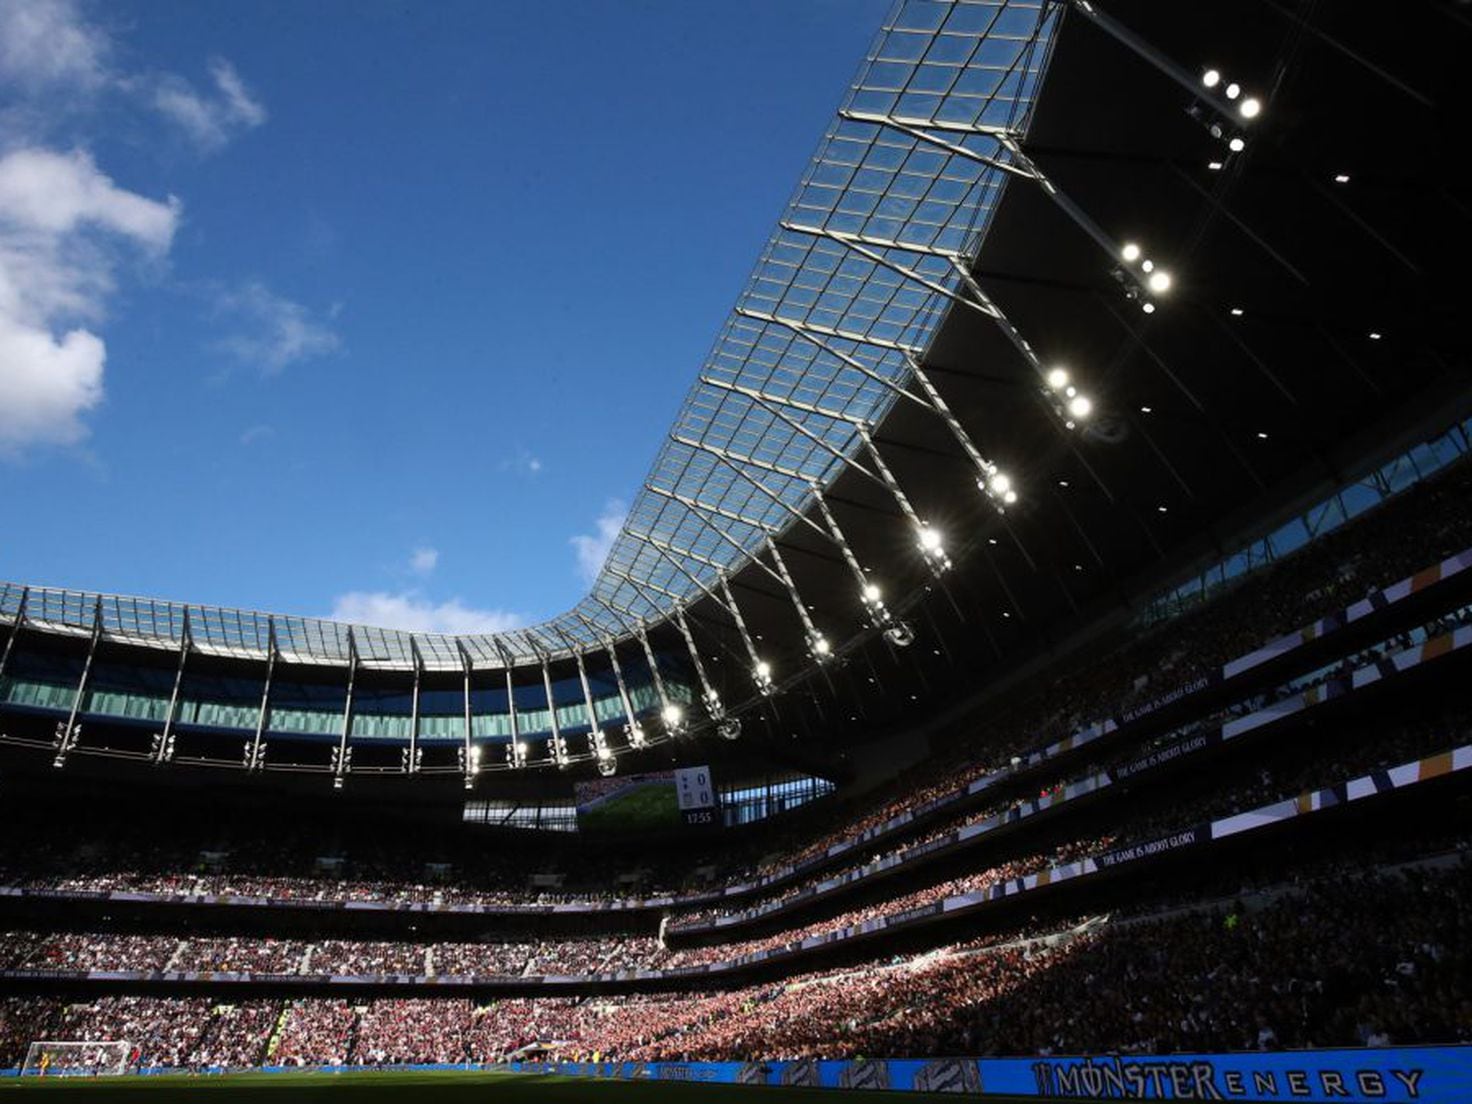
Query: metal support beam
[(588, 707), (516, 752), (806, 331), (844, 548), (901, 499), (734, 460), (1166, 66), (764, 397), (412, 761), (1020, 165), (67, 738), (467, 759), (761, 671), (817, 643), (632, 732), (15, 627), (344, 761), (898, 121), (668, 551), (716, 511), (931, 399), (920, 135), (988, 470), (597, 743), (165, 749), (555, 744), (255, 754), (855, 243), (771, 408), (669, 712)]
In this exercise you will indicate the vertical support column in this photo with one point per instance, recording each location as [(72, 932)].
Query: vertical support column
[(556, 743), (163, 749), (932, 547), (20, 620), (632, 730), (343, 761), (414, 756), (669, 712), (727, 727), (69, 733), (469, 760), (516, 751), (255, 753), (818, 644), (993, 482), (896, 632), (761, 670), (597, 744)]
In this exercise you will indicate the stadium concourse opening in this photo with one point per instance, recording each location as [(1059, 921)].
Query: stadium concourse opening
[(1031, 668)]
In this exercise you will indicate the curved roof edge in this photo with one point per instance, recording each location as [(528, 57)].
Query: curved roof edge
[(870, 254)]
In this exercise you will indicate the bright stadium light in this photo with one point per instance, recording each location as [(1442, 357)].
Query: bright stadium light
[(672, 716), (1001, 483), (871, 593), (1211, 78), (1130, 252), (1058, 379), (1160, 281), (762, 675), (1080, 406), (1237, 144), (820, 647), (1250, 108)]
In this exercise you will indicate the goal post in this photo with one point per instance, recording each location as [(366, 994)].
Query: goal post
[(78, 1058)]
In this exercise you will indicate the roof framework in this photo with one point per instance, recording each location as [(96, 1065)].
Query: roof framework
[(869, 256)]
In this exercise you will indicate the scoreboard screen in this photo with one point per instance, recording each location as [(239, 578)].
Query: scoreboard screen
[(696, 794)]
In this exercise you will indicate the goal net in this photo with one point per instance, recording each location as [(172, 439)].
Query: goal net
[(87, 1058)]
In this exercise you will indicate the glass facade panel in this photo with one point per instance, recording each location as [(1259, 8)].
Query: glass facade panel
[(748, 803), (1420, 462), (220, 701)]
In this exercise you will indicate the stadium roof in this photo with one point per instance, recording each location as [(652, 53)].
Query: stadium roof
[(961, 233), (849, 290)]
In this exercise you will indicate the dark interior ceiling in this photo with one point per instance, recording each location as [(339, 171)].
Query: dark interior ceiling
[(1245, 411)]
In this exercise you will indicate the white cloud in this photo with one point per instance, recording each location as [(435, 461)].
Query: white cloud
[(209, 120), (257, 433), (274, 332), (61, 219), (47, 43), (592, 549), (423, 561), (411, 611)]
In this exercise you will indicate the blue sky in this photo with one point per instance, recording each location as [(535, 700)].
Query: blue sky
[(375, 309)]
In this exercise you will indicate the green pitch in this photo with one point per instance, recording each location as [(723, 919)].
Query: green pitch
[(437, 1086)]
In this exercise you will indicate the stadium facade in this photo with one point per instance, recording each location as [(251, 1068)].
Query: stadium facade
[(1068, 533)]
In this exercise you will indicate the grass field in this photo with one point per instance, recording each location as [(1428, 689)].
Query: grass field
[(437, 1086)]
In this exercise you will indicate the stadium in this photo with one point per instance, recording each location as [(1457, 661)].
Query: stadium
[(1031, 667)]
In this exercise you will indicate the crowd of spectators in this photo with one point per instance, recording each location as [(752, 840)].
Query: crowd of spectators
[(1295, 768), (1349, 959), (240, 954)]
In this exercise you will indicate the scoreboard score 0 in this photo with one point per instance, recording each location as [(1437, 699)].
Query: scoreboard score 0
[(696, 794)]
